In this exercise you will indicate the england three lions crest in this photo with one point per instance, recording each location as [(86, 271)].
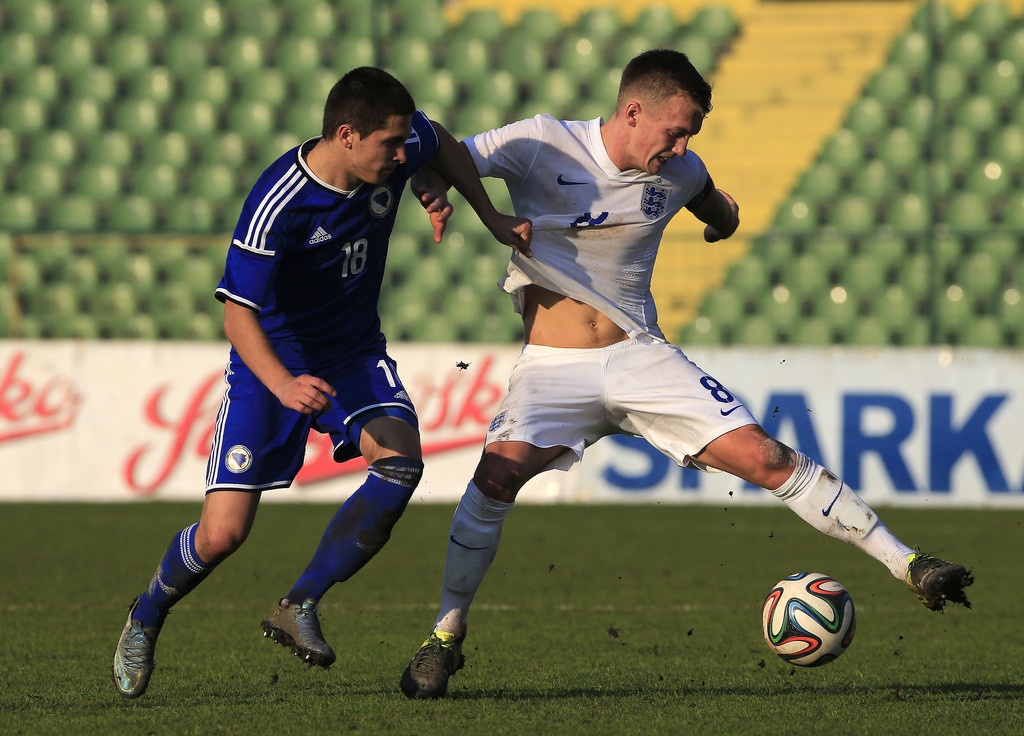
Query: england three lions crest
[(654, 201)]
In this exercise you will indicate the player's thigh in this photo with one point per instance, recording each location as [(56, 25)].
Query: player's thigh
[(389, 436), (225, 522)]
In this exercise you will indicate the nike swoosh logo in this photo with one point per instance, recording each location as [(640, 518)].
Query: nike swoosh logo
[(727, 413), (566, 183), (452, 538), (828, 509)]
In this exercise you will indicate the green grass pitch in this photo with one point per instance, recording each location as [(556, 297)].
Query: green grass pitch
[(593, 620)]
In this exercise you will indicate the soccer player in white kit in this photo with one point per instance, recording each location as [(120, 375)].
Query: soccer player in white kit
[(595, 362)]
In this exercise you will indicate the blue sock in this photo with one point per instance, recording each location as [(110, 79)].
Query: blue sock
[(361, 527), (179, 572)]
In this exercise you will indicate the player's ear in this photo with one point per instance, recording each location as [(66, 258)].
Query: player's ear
[(345, 135), (633, 111)]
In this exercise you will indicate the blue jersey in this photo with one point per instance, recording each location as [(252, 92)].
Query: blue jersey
[(309, 258)]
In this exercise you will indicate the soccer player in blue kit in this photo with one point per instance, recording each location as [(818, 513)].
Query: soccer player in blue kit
[(300, 290)]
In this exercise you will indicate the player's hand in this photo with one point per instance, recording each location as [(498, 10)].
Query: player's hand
[(306, 394), (438, 208), (515, 232)]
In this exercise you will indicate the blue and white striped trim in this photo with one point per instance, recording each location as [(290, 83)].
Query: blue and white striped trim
[(185, 547), (273, 202)]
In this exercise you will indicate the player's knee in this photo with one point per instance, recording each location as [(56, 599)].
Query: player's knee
[(499, 478), (404, 472), (215, 545), (776, 456)]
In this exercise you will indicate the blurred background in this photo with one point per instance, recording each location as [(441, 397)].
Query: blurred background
[(876, 150)]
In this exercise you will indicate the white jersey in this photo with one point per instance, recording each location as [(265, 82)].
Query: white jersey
[(596, 229)]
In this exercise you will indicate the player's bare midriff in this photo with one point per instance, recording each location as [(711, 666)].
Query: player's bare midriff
[(557, 321)]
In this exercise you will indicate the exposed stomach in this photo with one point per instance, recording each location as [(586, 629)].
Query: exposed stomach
[(557, 321)]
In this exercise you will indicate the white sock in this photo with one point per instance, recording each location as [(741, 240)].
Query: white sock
[(472, 544), (830, 506)]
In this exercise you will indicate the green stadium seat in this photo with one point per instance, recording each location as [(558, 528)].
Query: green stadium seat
[(629, 45), (912, 53), (156, 182), (82, 117), (69, 52), (1011, 47), (83, 272), (812, 331), (868, 331), (981, 277), (312, 20), (185, 55), (900, 150), (724, 308), (949, 83), (10, 147), (74, 213), (259, 20), (482, 23), (917, 115), (468, 59), (556, 95), (933, 19), (932, 179), (989, 178), (599, 24), (155, 83), (843, 151), (146, 18), (269, 86), (1013, 213), (699, 49), (100, 181), (109, 146), (864, 278), (1002, 246), (43, 181), (251, 119), (214, 182), (853, 214), (967, 49), (41, 82), (656, 24), (242, 56), (1001, 82), (885, 247), (17, 213), (715, 23), (897, 311), (225, 148), (441, 90), (756, 330), (806, 278), (197, 119), (202, 20), (93, 82), (989, 19), (91, 18), (419, 17), (953, 317), (36, 18), (127, 53), (748, 276), (18, 52), (796, 215), (354, 52), (978, 114), (1007, 145), (967, 213), (890, 85), (830, 247), (869, 117), (186, 214), (131, 214), (541, 24), (985, 332), (170, 148), (873, 180), (23, 115), (409, 58), (909, 213), (302, 120), (525, 58), (211, 85), (139, 118), (580, 57), (297, 56)]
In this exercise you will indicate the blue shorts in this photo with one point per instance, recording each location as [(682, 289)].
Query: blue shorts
[(259, 444)]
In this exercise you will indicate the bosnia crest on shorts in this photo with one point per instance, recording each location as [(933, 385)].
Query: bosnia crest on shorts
[(654, 201)]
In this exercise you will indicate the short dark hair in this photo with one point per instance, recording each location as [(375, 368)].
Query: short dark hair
[(365, 98), (664, 73)]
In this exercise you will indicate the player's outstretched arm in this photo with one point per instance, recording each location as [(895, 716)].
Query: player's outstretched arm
[(720, 213), (306, 394), (453, 162)]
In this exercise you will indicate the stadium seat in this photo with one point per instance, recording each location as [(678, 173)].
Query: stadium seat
[(468, 59), (155, 83), (912, 53), (109, 146), (989, 178), (18, 52), (864, 278), (354, 52), (131, 214), (796, 215), (409, 58), (36, 18), (98, 180), (169, 147), (1001, 82), (185, 55), (540, 24), (197, 119), (43, 181), (749, 276), (297, 56), (139, 118), (23, 115), (556, 96), (979, 114), (146, 18), (989, 19), (201, 20), (93, 82), (890, 85), (869, 117), (724, 308), (600, 24), (933, 19), (701, 51), (968, 49), (819, 182), (75, 213), (873, 180), (41, 83), (269, 86), (900, 150), (482, 23), (224, 148), (17, 213), (1011, 47), (127, 53), (312, 20), (188, 214), (499, 89), (949, 82), (756, 330), (156, 182), (715, 23), (917, 115), (1013, 213), (885, 247), (581, 57), (525, 58), (909, 213), (843, 151), (853, 214), (69, 52), (629, 45), (967, 213), (212, 85), (82, 117), (242, 56), (215, 182), (656, 24), (260, 20), (423, 18), (302, 120)]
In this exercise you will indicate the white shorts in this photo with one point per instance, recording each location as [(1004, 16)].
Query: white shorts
[(640, 387)]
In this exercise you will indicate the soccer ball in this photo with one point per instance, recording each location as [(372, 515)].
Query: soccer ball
[(808, 619)]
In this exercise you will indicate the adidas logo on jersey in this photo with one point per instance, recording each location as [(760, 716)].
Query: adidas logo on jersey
[(319, 236)]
